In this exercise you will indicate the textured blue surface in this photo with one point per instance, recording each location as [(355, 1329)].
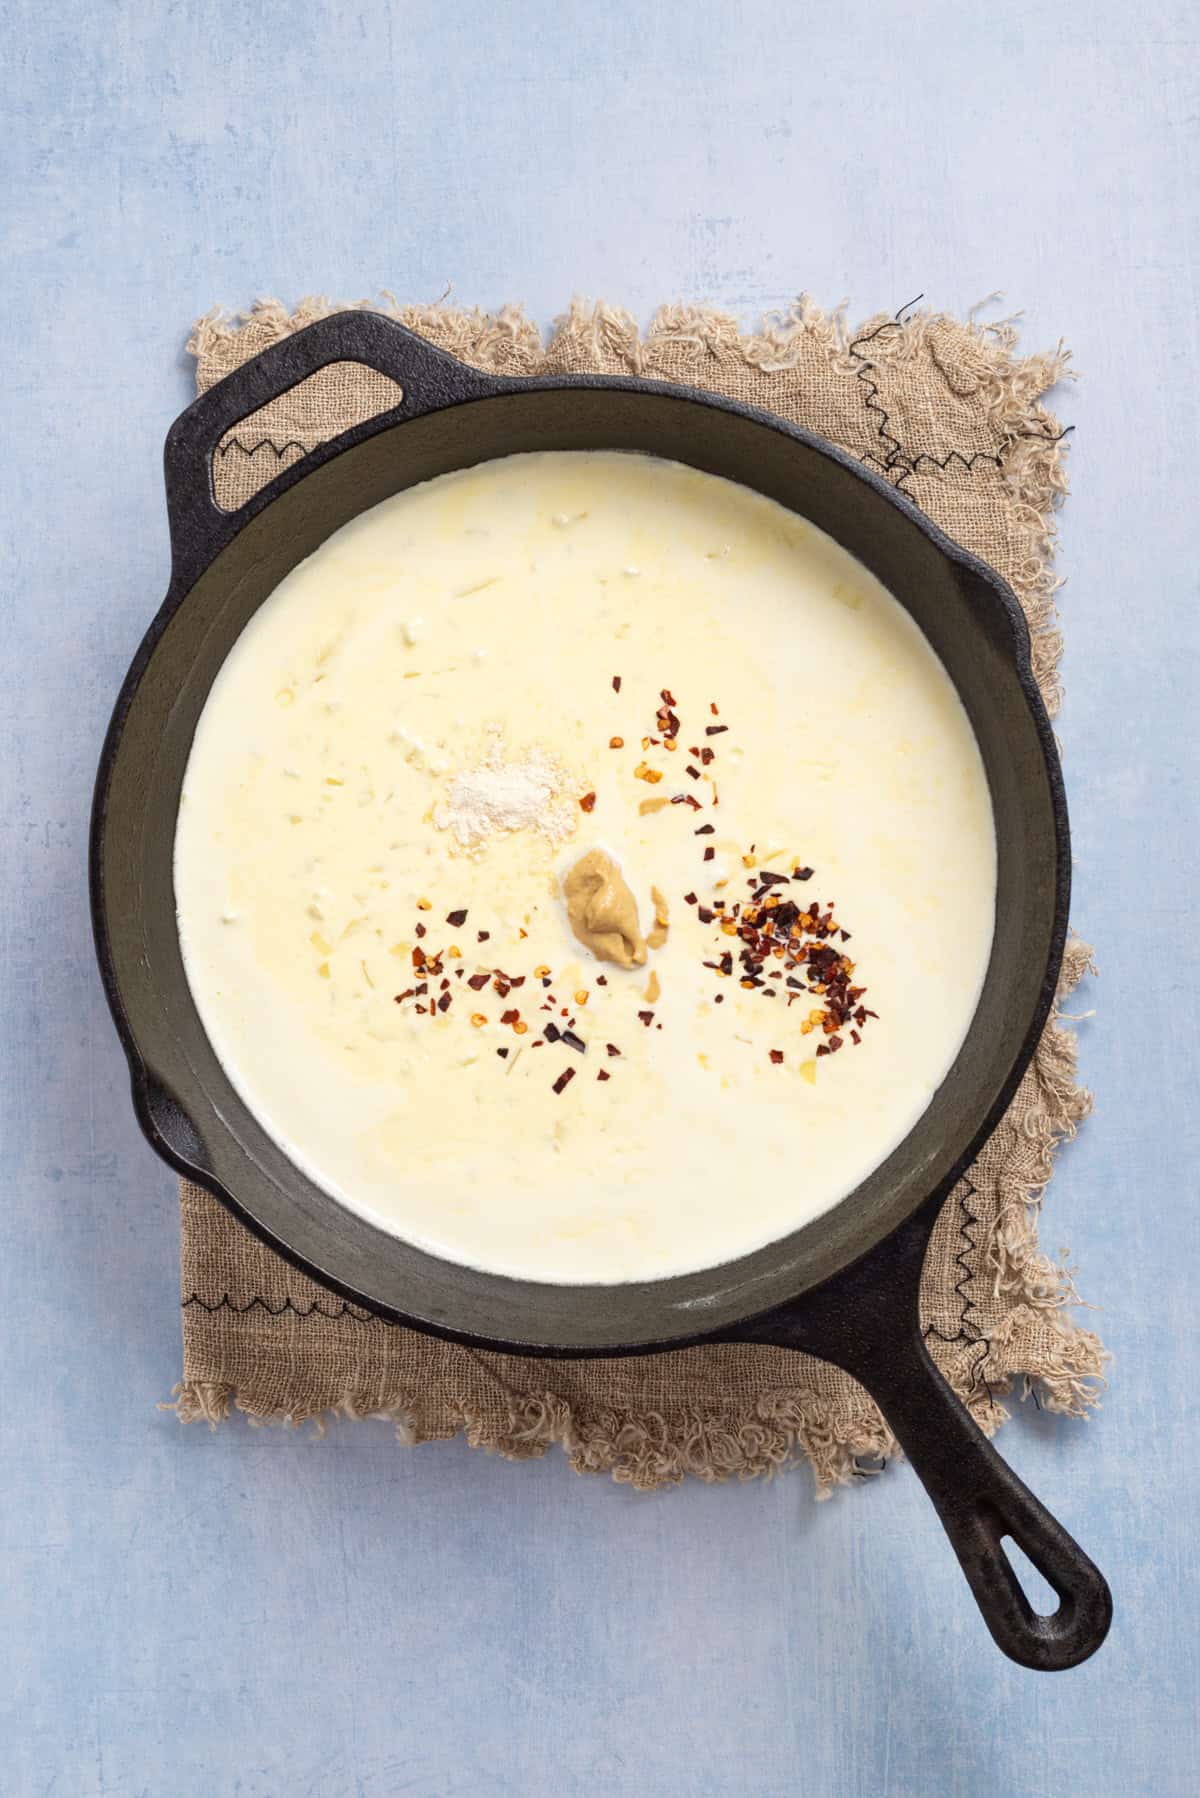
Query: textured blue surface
[(258, 1613)]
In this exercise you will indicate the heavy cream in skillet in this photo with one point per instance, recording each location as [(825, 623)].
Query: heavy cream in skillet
[(528, 723)]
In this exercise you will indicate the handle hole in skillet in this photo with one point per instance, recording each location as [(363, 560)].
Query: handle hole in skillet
[(284, 431), (1040, 1593)]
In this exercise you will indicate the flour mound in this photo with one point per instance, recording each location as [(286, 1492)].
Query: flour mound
[(528, 792)]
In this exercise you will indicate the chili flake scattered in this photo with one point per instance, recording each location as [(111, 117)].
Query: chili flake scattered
[(564, 1079), (588, 803), (777, 1056), (457, 918), (616, 683)]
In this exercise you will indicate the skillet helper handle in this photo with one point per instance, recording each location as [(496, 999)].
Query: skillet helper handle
[(867, 1321), (428, 377)]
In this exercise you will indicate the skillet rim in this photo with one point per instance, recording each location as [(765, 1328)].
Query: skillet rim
[(474, 388)]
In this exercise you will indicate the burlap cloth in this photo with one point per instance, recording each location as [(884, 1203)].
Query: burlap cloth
[(949, 412)]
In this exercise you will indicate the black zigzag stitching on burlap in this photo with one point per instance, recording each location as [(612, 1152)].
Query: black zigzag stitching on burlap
[(896, 457), (225, 1303), (968, 1330), (251, 449)]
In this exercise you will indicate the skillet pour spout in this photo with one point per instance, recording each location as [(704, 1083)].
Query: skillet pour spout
[(843, 1287)]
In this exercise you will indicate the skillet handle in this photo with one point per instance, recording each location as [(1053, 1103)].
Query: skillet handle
[(977, 1496), (429, 378), (980, 1501)]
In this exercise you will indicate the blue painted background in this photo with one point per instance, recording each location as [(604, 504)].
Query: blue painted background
[(258, 1613)]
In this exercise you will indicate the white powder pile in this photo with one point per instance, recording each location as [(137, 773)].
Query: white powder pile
[(499, 795)]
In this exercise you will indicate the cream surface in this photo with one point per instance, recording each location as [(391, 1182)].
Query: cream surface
[(532, 611)]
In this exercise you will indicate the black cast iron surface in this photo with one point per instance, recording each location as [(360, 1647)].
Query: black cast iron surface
[(844, 1287)]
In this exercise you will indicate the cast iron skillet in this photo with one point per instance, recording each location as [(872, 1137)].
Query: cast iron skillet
[(843, 1287)]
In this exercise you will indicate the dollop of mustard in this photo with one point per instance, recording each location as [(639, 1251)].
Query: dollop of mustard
[(602, 911)]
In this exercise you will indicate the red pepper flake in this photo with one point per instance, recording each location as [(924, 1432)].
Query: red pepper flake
[(602, 980), (718, 998), (564, 1079), (418, 957), (822, 1049), (647, 1018), (510, 1016), (689, 898), (705, 914), (477, 982), (713, 709), (855, 1037), (443, 1003), (552, 1032), (704, 830), (503, 1054), (667, 697), (803, 874), (616, 683), (574, 1042), (481, 936), (706, 756), (714, 730), (457, 918), (694, 772), (612, 1048), (777, 1057), (588, 803), (420, 930), (709, 853), (603, 1074), (406, 994)]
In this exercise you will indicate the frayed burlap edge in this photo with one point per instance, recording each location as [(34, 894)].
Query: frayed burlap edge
[(1037, 1346)]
